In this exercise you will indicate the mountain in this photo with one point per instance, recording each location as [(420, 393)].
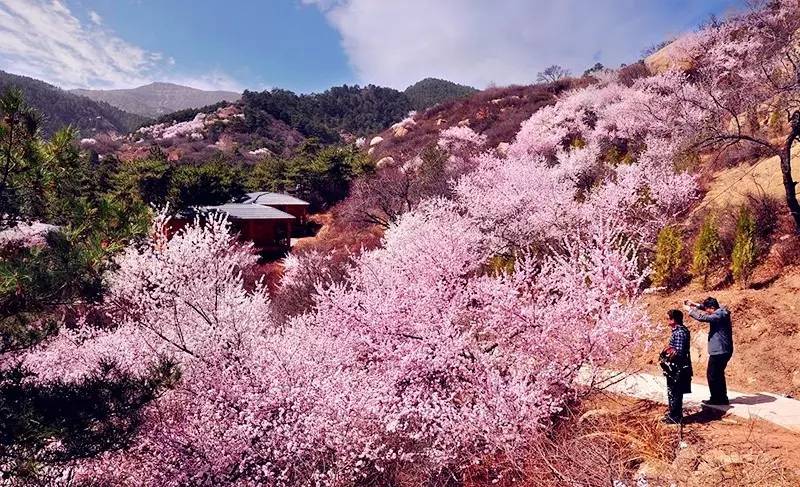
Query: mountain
[(277, 122), (336, 112), (269, 122), (157, 99), (432, 91), (61, 108)]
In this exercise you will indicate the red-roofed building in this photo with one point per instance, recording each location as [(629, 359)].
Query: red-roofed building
[(266, 219)]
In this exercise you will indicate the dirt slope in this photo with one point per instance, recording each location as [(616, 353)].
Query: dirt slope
[(766, 316), (709, 450)]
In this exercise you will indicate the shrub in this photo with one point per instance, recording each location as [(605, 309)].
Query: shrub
[(706, 249), (687, 161), (668, 265), (743, 257), (268, 175), (764, 208), (211, 183)]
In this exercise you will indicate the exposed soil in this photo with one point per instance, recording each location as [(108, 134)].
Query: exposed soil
[(766, 328), (766, 315), (710, 449)]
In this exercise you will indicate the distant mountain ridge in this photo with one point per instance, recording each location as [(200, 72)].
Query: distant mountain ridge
[(156, 99), (276, 122), (60, 108)]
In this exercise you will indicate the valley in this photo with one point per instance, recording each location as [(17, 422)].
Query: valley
[(437, 285)]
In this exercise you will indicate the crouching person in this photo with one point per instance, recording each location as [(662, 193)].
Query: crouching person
[(677, 365)]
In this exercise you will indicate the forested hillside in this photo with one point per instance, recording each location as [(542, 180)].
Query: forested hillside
[(343, 109), (431, 91), (61, 108), (353, 110)]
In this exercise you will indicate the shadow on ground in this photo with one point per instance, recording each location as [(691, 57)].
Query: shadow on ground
[(705, 415), (754, 399)]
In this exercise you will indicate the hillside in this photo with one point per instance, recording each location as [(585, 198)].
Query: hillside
[(277, 121), (339, 112), (494, 265), (61, 108), (157, 99), (432, 91), (199, 136), (496, 113)]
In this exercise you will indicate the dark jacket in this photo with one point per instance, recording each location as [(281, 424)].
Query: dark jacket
[(678, 368), (720, 333)]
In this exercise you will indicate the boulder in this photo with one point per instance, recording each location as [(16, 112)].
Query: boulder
[(375, 141), (227, 112), (672, 55), (385, 161)]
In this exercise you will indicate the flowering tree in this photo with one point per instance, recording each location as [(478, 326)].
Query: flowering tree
[(420, 362), (25, 235), (418, 359), (745, 84)]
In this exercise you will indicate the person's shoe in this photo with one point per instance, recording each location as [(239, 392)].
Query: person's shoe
[(670, 420), (715, 402)]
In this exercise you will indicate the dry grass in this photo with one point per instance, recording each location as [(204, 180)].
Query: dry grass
[(618, 439), (604, 441)]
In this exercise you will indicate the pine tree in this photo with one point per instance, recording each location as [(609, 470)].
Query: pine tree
[(743, 257), (668, 265), (706, 249)]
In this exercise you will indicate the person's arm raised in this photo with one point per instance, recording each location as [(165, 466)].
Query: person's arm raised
[(701, 315)]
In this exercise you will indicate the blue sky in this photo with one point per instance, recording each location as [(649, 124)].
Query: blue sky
[(309, 45)]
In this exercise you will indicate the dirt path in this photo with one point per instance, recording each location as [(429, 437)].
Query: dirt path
[(773, 408)]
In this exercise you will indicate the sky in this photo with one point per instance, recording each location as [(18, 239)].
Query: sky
[(310, 45)]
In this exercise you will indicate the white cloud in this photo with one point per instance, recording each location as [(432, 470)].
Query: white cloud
[(43, 39), (213, 80), (95, 17), (503, 41)]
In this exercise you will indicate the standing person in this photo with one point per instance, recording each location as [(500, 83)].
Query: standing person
[(720, 345), (676, 362)]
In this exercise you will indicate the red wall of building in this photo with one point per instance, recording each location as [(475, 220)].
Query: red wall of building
[(269, 235), (298, 211)]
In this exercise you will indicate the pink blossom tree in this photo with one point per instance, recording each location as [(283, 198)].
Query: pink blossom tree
[(420, 362), (745, 83), (416, 359)]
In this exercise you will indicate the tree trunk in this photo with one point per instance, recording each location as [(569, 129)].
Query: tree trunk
[(786, 169)]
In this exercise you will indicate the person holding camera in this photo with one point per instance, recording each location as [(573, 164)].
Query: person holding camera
[(720, 345), (676, 362)]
